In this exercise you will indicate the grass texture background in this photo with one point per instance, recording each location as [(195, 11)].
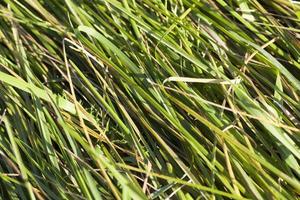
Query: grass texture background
[(149, 99)]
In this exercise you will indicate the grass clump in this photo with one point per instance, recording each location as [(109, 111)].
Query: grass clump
[(152, 99)]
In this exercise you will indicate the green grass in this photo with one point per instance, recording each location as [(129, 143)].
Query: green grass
[(149, 99)]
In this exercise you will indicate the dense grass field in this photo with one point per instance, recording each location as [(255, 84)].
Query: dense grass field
[(149, 99)]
